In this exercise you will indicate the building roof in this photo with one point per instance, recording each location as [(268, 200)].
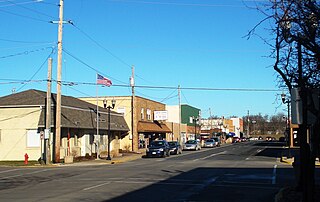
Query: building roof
[(75, 113)]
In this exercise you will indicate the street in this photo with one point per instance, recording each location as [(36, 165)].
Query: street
[(248, 171)]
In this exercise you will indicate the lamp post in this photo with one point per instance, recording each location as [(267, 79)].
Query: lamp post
[(113, 103), (288, 133), (287, 101)]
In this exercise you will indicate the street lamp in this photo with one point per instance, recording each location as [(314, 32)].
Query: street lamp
[(113, 103), (288, 133)]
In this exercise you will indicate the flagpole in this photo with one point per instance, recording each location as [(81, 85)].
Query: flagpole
[(97, 142)]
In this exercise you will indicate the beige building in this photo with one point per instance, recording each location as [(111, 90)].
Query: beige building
[(22, 124), (139, 115)]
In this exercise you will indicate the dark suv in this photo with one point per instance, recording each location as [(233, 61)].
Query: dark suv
[(158, 148)]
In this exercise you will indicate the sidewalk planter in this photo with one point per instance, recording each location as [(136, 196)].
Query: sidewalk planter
[(68, 159)]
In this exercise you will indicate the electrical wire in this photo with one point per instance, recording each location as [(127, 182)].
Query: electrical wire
[(44, 62), (24, 16), (25, 52), (106, 50), (32, 10), (32, 42), (16, 4), (177, 4), (87, 65), (103, 48)]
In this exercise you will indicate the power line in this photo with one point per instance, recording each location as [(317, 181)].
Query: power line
[(177, 4), (87, 65), (106, 50), (44, 62), (71, 83), (16, 4), (30, 9), (23, 16), (32, 42), (98, 44), (26, 52)]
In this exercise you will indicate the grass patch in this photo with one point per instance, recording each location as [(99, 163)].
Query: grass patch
[(18, 163)]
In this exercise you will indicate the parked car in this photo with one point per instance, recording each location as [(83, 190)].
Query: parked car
[(175, 147), (217, 140), (236, 140), (158, 148), (210, 143), (192, 145)]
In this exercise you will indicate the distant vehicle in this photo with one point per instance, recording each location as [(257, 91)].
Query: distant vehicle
[(192, 145), (217, 140), (260, 138), (269, 138), (282, 139), (236, 140), (210, 143), (243, 139), (175, 147), (158, 148)]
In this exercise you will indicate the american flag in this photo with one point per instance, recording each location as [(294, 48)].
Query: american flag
[(103, 80)]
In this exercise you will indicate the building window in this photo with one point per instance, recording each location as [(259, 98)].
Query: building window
[(149, 114), (142, 114)]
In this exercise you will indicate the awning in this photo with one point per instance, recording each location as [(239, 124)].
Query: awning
[(150, 127)]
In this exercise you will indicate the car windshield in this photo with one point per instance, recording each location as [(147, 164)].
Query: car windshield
[(209, 140), (215, 139), (157, 143), (172, 143), (191, 142)]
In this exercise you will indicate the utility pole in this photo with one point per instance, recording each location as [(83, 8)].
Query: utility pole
[(179, 97), (248, 125), (132, 107), (47, 132), (59, 64)]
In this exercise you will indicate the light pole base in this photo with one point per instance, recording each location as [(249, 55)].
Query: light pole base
[(108, 158)]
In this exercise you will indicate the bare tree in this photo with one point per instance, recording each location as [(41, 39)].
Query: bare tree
[(296, 52)]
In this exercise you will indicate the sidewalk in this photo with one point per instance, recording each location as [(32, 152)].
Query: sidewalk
[(125, 157), (288, 154)]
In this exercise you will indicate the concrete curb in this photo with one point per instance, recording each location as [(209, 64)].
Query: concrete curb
[(290, 161)]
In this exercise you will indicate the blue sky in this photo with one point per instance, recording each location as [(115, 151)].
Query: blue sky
[(194, 44)]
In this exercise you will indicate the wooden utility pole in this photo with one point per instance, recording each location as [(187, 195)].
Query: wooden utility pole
[(248, 125), (47, 150), (179, 96), (133, 136), (59, 68)]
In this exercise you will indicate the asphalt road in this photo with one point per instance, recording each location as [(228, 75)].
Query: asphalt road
[(247, 171)]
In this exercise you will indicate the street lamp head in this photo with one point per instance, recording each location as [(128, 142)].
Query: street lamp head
[(104, 103), (113, 102)]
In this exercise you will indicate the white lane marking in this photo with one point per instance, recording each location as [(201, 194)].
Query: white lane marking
[(12, 176), (99, 185), (247, 159), (216, 154), (39, 171), (6, 171), (274, 174), (211, 155)]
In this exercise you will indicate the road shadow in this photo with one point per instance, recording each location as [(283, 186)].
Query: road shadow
[(276, 150), (213, 184)]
